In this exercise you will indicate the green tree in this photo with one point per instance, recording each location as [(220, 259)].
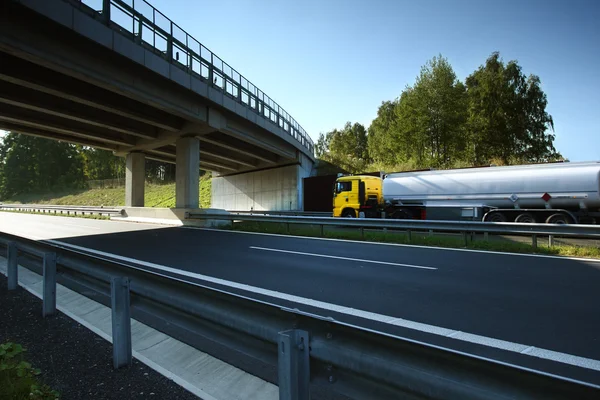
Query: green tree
[(383, 141), (346, 148), (507, 115), (430, 117), (35, 164), (102, 164)]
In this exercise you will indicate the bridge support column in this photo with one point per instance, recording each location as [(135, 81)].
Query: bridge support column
[(135, 179), (187, 171)]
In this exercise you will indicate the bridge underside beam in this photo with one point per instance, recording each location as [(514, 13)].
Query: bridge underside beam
[(44, 103), (51, 123), (28, 75), (25, 130)]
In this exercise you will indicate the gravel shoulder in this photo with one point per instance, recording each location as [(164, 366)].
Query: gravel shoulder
[(75, 361)]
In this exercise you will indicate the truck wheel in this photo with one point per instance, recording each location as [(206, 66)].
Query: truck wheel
[(525, 218), (560, 219), (496, 217), (348, 213)]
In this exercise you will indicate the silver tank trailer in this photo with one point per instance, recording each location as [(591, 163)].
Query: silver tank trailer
[(569, 186)]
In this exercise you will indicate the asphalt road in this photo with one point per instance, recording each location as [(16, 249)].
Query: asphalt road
[(538, 312)]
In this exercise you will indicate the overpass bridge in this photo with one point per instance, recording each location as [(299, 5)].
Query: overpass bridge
[(121, 76)]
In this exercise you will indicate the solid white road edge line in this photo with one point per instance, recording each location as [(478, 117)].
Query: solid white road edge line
[(340, 258), (432, 329)]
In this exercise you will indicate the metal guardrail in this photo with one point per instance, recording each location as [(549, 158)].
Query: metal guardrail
[(290, 213), (464, 227), (146, 25), (62, 210), (302, 352)]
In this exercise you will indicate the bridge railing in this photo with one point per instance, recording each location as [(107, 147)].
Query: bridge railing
[(302, 351), (147, 26)]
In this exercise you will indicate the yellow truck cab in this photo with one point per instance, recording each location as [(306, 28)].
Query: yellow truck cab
[(353, 195)]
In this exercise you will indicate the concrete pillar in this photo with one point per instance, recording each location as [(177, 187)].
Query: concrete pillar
[(187, 170), (135, 175)]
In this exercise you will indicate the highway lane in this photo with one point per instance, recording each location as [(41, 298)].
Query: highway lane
[(546, 302)]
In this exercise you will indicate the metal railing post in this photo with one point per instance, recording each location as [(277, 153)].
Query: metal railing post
[(409, 235), (362, 233), (12, 270), (486, 236), (550, 240), (121, 321), (534, 241), (49, 288), (322, 230), (465, 238), (106, 11), (293, 358)]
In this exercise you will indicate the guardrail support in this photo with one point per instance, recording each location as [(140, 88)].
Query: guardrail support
[(322, 230), (49, 289), (534, 241), (293, 359), (465, 238), (121, 322), (550, 240), (12, 270), (409, 235)]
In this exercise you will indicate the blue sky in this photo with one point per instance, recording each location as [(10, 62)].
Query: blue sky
[(331, 61)]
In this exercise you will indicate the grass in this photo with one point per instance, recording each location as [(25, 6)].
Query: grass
[(419, 239), (155, 195)]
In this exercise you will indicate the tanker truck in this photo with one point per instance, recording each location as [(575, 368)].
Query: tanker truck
[(559, 193)]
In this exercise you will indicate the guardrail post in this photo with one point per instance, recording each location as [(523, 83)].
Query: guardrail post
[(550, 240), (486, 236), (409, 235), (534, 241), (322, 230), (121, 321), (430, 232), (465, 238), (49, 289), (293, 365), (287, 228), (12, 270)]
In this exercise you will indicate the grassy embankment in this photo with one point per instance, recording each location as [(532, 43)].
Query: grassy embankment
[(155, 195)]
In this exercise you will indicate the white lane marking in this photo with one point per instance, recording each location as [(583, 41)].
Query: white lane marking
[(596, 260), (340, 258), (564, 358)]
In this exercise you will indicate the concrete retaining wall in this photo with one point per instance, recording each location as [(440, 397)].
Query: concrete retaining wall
[(276, 189)]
